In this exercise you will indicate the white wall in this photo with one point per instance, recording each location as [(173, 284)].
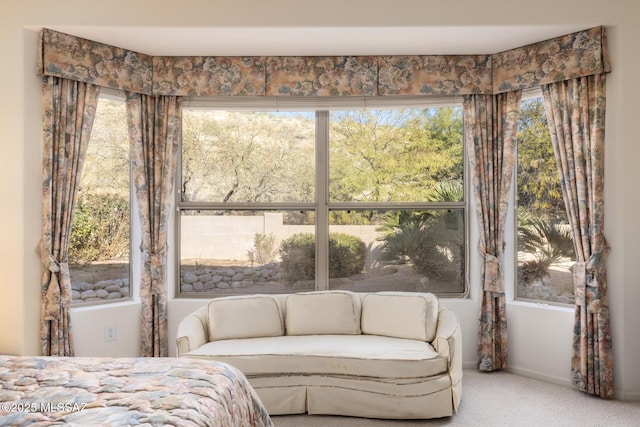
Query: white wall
[(88, 328), (540, 336)]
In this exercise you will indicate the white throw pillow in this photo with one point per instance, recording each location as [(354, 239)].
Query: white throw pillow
[(322, 313), (244, 317), (400, 315)]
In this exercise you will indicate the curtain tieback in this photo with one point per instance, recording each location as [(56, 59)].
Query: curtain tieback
[(585, 282), (58, 294), (493, 281), (54, 265), (154, 258), (47, 256)]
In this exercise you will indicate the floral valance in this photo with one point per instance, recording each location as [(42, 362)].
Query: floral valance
[(563, 58), (75, 58), (579, 54)]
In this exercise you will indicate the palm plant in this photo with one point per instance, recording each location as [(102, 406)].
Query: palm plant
[(432, 240), (549, 240)]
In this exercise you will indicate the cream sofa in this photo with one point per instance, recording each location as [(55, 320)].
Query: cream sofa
[(376, 355)]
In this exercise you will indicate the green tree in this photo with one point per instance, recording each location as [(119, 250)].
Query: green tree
[(107, 160), (393, 155), (247, 157), (439, 147), (538, 180), (362, 153)]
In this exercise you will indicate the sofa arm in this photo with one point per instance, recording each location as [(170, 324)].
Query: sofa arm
[(448, 344), (193, 331)]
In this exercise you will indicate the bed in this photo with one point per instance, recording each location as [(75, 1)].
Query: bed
[(94, 391)]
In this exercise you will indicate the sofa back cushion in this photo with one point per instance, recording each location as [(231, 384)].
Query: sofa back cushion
[(322, 313), (400, 315), (250, 316)]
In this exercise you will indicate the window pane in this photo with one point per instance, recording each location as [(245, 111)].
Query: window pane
[(402, 250), (247, 157), (395, 155), (545, 245), (245, 252), (99, 246), (249, 202)]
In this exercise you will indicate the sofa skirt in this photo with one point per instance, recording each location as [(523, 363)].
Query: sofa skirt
[(416, 398)]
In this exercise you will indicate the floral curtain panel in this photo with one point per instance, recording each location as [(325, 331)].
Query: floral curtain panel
[(576, 113), (69, 108), (154, 128), (490, 137)]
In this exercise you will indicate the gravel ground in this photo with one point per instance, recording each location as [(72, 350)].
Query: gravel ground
[(558, 287)]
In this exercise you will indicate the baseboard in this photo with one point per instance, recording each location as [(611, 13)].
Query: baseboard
[(566, 382), (628, 396)]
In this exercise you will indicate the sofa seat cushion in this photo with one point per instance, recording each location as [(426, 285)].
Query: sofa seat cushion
[(354, 355)]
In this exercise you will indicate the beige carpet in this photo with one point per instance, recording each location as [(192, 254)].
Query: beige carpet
[(503, 399)]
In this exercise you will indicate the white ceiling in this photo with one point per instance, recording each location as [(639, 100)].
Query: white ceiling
[(319, 41)]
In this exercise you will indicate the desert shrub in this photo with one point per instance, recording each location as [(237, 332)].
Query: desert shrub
[(533, 270), (298, 254), (347, 256), (100, 229), (264, 249)]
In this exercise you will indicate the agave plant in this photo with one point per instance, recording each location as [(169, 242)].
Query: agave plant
[(447, 191)]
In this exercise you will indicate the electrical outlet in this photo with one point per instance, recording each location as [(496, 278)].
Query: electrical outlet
[(110, 332)]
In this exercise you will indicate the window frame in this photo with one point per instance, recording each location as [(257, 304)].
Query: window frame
[(322, 106)]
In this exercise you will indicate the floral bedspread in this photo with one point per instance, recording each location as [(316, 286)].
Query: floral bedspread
[(87, 391)]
